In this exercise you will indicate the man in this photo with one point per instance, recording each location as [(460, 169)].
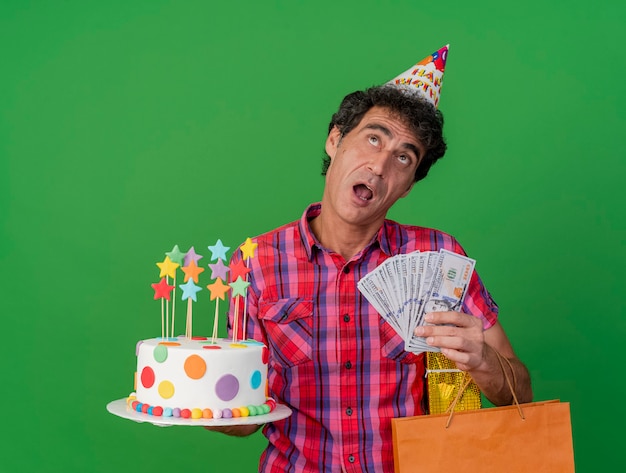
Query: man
[(333, 360)]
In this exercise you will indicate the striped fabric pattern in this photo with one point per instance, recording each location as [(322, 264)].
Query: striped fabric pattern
[(333, 360)]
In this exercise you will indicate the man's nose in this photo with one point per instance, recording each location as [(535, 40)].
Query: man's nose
[(378, 162)]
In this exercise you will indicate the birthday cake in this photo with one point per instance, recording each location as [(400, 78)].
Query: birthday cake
[(200, 377)]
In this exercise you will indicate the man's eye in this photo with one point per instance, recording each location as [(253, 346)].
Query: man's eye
[(403, 158), (373, 140)]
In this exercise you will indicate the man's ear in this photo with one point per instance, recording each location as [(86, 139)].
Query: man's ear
[(332, 141)]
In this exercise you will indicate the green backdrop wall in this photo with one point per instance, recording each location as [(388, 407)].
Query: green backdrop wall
[(128, 127)]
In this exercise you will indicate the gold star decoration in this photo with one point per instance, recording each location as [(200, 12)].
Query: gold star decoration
[(247, 249), (168, 268)]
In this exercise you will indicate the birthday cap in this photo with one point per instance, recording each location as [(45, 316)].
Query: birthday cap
[(426, 76)]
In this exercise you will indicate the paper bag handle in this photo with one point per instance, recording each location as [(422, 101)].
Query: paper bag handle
[(468, 380)]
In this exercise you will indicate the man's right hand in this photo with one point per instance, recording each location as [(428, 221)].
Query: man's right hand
[(235, 430)]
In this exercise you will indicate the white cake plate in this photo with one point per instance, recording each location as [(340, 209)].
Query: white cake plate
[(119, 408)]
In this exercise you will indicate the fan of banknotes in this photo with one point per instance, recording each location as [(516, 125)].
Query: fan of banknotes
[(405, 287)]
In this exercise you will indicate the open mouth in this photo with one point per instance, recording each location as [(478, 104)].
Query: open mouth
[(363, 192)]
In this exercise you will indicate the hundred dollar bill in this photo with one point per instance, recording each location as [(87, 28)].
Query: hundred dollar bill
[(413, 281), (447, 290), (387, 288), (450, 282), (427, 265), (374, 288)]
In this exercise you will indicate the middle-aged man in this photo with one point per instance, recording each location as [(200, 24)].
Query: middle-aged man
[(333, 359)]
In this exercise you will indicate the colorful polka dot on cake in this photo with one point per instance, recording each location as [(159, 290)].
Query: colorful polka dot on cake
[(160, 353), (256, 379), (265, 355), (166, 389), (147, 377), (195, 367), (227, 387)]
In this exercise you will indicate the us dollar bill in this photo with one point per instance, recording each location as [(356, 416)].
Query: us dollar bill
[(446, 292)]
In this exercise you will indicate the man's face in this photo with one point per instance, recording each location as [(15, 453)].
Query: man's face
[(371, 168)]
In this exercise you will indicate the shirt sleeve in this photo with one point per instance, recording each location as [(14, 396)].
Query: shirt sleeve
[(479, 302)]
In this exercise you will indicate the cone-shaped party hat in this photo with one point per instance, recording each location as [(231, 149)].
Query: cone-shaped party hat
[(426, 76)]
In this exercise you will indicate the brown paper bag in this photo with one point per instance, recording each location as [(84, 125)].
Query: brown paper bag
[(487, 440), (535, 437)]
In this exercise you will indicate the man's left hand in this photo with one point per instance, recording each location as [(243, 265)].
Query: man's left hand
[(459, 336)]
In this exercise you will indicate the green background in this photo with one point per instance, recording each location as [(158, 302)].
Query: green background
[(127, 127)]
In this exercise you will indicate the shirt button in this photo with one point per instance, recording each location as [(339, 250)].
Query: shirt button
[(348, 365), (346, 270), (346, 318), (351, 458), (349, 411)]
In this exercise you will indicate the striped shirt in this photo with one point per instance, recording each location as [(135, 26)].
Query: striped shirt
[(333, 360)]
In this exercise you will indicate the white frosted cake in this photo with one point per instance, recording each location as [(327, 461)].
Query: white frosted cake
[(200, 378)]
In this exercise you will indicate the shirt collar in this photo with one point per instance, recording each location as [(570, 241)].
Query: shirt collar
[(382, 238), (306, 234)]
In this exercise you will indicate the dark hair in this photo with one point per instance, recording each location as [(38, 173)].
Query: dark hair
[(417, 113)]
